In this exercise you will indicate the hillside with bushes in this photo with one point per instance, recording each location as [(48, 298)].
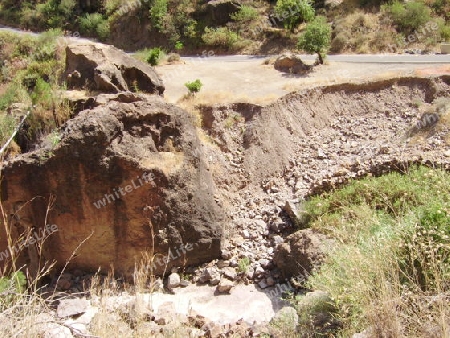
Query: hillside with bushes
[(248, 27)]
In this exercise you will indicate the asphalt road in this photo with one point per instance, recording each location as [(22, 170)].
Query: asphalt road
[(350, 58)]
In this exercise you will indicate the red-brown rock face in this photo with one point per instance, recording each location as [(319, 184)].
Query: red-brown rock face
[(122, 172)]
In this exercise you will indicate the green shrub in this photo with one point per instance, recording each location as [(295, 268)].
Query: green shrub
[(245, 13), (111, 6), (54, 13), (158, 11), (316, 38), (221, 36), (14, 93), (42, 94), (444, 30), (292, 12), (10, 287), (7, 126), (179, 45), (408, 16), (194, 86), (190, 28), (441, 7), (243, 264), (95, 25), (154, 56)]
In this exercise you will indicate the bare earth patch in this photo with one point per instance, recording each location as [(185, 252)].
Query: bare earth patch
[(251, 81)]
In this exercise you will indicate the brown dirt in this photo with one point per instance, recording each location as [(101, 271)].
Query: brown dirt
[(251, 81)]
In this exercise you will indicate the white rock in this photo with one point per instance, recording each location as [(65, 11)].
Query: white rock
[(230, 273), (264, 262), (53, 330), (71, 307), (184, 283), (173, 280), (245, 234), (259, 271)]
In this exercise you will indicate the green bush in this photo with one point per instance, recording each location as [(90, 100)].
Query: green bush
[(243, 264), (154, 56), (444, 30), (194, 86), (157, 13), (179, 45), (221, 37), (111, 6), (293, 12), (42, 94), (14, 93), (10, 287), (245, 13), (316, 38), (54, 13), (95, 25), (408, 16), (7, 126)]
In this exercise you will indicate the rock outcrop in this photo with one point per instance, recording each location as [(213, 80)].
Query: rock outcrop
[(292, 64), (104, 68), (128, 177)]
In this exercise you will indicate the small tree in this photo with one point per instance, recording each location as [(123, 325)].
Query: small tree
[(158, 11), (316, 38), (292, 12), (154, 56), (194, 86)]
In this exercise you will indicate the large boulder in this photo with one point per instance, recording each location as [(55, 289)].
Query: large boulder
[(292, 64), (127, 178), (104, 68), (301, 252)]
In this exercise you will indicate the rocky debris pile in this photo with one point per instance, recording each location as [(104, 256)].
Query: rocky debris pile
[(291, 64), (304, 144), (104, 68)]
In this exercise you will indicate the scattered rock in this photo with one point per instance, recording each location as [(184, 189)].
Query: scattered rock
[(230, 273), (71, 307), (225, 286), (53, 330), (184, 283), (211, 275)]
